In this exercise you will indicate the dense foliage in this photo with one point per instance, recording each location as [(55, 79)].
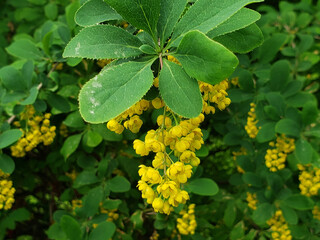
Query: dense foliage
[(139, 120)]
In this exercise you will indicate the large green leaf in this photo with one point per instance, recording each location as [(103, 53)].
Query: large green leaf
[(10, 136), (279, 75), (104, 231), (114, 90), (243, 40), (142, 14), (205, 15), (7, 165), (204, 187), (180, 92), (70, 145), (263, 213), (241, 19), (299, 202), (303, 151), (103, 41), (119, 184), (92, 200), (205, 59), (288, 127), (24, 48), (271, 46), (170, 13), (93, 12), (11, 78), (71, 227)]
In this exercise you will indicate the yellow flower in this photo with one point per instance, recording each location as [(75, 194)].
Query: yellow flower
[(187, 223)]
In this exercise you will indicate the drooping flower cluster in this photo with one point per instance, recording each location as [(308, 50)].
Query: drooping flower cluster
[(63, 130), (279, 227), (252, 200), (187, 223), (112, 214), (251, 127), (214, 95), (309, 180), (276, 156), (103, 62), (161, 184), (38, 130), (6, 192), (316, 213), (129, 119), (76, 203)]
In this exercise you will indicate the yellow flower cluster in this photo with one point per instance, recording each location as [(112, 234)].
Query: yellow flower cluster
[(316, 213), (277, 155), (251, 127), (72, 175), (187, 223), (252, 200), (76, 203), (38, 130), (309, 180), (112, 215), (235, 81), (214, 94), (235, 154), (154, 236), (63, 130), (129, 118), (279, 227), (161, 184), (6, 191)]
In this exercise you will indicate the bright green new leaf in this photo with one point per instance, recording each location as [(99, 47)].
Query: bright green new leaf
[(9, 137), (70, 145), (205, 59), (71, 10), (279, 75), (24, 48), (170, 13), (114, 90), (103, 41), (204, 187), (241, 19), (119, 184), (7, 165), (33, 93), (205, 15), (303, 151), (142, 14), (103, 231), (299, 202), (92, 138), (180, 92), (93, 12), (243, 40), (70, 227), (288, 127)]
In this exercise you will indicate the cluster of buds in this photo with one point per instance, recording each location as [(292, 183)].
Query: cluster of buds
[(309, 180), (251, 127), (6, 191), (279, 227), (276, 156), (252, 200), (187, 223)]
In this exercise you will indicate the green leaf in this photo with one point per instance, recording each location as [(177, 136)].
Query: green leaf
[(114, 90), (205, 59), (146, 48), (93, 12), (243, 18), (143, 14), (288, 127), (51, 10), (70, 14), (27, 73), (70, 145), (85, 178), (33, 93), (310, 112), (230, 214), (243, 40), (299, 202), (237, 232), (137, 219), (252, 178), (74, 120), (303, 151), (279, 75), (180, 92), (271, 46), (7, 165), (92, 138), (92, 201), (103, 231), (58, 102), (71, 227), (289, 214), (205, 15), (24, 48), (263, 213), (119, 184), (204, 187), (170, 13), (11, 78), (266, 133), (103, 41), (9, 137)]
